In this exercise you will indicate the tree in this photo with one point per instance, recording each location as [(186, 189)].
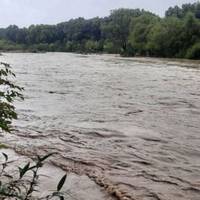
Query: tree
[(181, 12), (139, 30), (8, 93), (11, 33), (191, 29), (91, 46), (174, 12), (193, 52), (127, 32), (116, 27), (109, 46), (165, 38)]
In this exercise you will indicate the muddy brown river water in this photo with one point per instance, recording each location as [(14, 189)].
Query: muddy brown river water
[(131, 125)]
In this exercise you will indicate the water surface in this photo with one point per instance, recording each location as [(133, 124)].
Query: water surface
[(131, 125)]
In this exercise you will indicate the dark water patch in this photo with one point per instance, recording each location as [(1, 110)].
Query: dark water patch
[(195, 94), (155, 140), (133, 112)]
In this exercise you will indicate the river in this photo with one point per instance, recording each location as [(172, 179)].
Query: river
[(132, 125)]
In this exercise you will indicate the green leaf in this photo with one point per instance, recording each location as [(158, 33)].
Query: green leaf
[(45, 157), (61, 182), (23, 171), (5, 156), (61, 197)]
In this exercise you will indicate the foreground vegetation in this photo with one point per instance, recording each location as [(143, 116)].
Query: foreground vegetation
[(128, 32), (23, 185), (8, 93)]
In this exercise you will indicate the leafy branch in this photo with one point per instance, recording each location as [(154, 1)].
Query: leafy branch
[(8, 93), (23, 187)]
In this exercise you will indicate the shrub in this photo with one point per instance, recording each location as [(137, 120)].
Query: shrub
[(194, 52)]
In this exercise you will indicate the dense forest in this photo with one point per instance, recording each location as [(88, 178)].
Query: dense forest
[(127, 32)]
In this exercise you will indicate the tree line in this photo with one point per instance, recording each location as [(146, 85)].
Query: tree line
[(128, 32)]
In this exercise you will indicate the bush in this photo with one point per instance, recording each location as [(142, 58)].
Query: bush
[(193, 52), (91, 46), (109, 47), (11, 46)]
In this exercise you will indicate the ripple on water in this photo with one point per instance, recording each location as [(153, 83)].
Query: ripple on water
[(130, 125)]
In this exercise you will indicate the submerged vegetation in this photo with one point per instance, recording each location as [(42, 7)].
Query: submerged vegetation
[(128, 32)]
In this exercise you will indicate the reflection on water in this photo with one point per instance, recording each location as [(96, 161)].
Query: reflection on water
[(133, 121)]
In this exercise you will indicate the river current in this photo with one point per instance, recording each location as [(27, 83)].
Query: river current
[(132, 125)]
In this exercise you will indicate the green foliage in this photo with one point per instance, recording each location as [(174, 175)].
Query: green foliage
[(23, 186), (92, 46), (191, 32), (8, 93), (164, 38), (61, 183), (125, 31), (194, 51), (109, 47), (116, 28), (181, 12), (140, 28), (7, 45)]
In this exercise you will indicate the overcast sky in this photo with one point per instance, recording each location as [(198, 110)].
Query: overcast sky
[(27, 12)]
